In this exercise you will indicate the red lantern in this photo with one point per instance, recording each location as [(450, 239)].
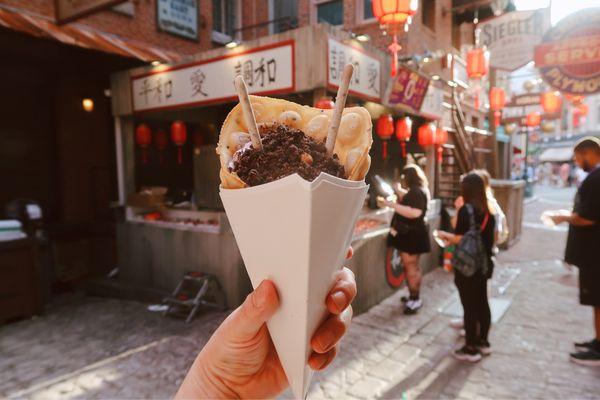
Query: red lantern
[(478, 61), (385, 130), (576, 100), (497, 102), (197, 139), (427, 135), (143, 138), (161, 140), (440, 139), (551, 102), (325, 103), (403, 132), (583, 109), (178, 136), (533, 119), (393, 16)]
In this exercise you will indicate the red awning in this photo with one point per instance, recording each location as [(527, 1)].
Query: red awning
[(82, 36)]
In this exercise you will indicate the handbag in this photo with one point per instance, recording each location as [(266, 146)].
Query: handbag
[(470, 255)]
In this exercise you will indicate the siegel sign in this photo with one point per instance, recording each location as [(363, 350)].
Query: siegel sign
[(366, 81), (266, 70), (511, 37), (569, 56)]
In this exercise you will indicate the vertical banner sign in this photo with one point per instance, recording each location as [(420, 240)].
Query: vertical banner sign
[(179, 17), (266, 70), (512, 37), (68, 10), (366, 81), (569, 56), (408, 90), (433, 104)]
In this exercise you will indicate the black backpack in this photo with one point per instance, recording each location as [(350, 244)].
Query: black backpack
[(470, 255)]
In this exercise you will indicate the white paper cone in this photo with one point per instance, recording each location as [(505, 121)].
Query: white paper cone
[(295, 233)]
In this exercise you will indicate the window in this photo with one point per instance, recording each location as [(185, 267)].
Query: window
[(225, 20), (283, 15), (367, 9), (331, 12), (428, 14)]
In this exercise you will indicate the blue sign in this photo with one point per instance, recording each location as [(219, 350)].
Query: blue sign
[(179, 17)]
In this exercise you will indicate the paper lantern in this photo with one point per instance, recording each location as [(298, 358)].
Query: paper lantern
[(497, 102), (510, 128), (325, 103), (143, 138), (575, 99), (197, 138), (551, 102), (441, 138), (403, 132), (393, 17), (547, 126), (533, 119), (478, 61), (178, 137), (583, 109), (161, 141), (426, 135), (385, 130)]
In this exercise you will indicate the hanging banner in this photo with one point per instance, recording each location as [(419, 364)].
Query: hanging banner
[(69, 10), (179, 17), (366, 81), (569, 56), (408, 90), (511, 37), (266, 70), (433, 104)]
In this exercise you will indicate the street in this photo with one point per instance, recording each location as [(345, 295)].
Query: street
[(87, 347)]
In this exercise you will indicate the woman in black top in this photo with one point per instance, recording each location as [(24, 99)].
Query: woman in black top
[(473, 289), (408, 232)]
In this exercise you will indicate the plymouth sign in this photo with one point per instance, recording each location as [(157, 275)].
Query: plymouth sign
[(511, 37), (569, 56)]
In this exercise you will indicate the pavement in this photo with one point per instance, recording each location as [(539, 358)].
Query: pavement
[(87, 347)]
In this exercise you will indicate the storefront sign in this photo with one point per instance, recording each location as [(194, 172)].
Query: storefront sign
[(266, 70), (179, 17), (511, 37), (459, 72), (433, 104), (569, 57), (366, 81), (68, 10), (408, 89), (522, 100)]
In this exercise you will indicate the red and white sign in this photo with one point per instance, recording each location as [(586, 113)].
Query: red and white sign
[(266, 70), (511, 37), (366, 81)]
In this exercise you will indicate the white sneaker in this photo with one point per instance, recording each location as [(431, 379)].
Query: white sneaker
[(412, 306), (457, 323)]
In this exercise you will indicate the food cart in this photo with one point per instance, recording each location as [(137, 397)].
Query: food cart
[(173, 218)]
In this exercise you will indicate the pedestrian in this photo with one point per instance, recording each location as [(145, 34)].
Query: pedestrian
[(583, 242), (240, 362), (409, 233), (474, 222)]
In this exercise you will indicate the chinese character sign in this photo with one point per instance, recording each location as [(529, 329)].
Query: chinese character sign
[(179, 17), (265, 70), (408, 89), (366, 81)]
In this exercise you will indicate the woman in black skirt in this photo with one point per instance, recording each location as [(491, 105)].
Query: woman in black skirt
[(408, 232)]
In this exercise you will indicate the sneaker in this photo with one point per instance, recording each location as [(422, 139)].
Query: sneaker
[(457, 323), (412, 306), (592, 344), (485, 348), (466, 353), (590, 358)]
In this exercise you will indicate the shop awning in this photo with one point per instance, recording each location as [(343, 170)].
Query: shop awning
[(82, 36), (557, 154)]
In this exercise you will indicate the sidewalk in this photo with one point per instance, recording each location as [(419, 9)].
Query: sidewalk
[(100, 348)]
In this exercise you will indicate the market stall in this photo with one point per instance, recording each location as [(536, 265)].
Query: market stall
[(167, 120)]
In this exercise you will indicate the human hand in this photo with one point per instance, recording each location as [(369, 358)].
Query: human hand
[(558, 218), (240, 361), (382, 202)]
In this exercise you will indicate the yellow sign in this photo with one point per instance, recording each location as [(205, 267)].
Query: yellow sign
[(68, 10)]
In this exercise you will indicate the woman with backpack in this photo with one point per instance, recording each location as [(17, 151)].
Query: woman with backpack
[(474, 240), (409, 233)]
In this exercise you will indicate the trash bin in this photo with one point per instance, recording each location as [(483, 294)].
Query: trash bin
[(510, 196)]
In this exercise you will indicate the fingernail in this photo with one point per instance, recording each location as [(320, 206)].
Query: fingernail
[(339, 299), (259, 298)]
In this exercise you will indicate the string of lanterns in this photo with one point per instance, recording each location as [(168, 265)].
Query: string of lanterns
[(144, 138)]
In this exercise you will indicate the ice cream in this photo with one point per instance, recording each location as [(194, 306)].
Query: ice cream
[(286, 121)]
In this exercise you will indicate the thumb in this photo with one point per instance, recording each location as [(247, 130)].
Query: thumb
[(258, 307)]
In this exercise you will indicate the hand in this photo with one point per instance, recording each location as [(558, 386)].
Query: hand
[(381, 202), (459, 202), (445, 236), (558, 219), (240, 361)]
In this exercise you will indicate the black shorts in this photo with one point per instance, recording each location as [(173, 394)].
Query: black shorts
[(589, 285)]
